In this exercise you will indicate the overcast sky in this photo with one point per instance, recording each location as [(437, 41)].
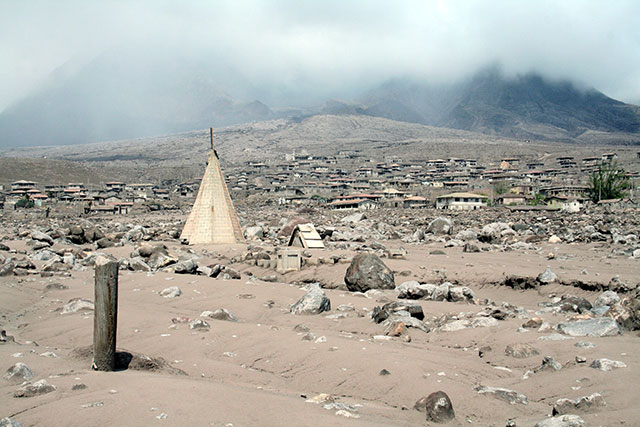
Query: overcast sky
[(339, 41)]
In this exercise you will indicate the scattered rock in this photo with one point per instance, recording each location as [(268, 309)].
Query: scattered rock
[(220, 314), (598, 327), (438, 407), (608, 298), (8, 422), (549, 364), (440, 225), (18, 373), (171, 292), (314, 302), (607, 364), (366, 272), (199, 324), (562, 421), (505, 394), (581, 404), (521, 350), (547, 276), (35, 389), (76, 304)]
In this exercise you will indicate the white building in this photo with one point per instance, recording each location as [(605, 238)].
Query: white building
[(461, 201)]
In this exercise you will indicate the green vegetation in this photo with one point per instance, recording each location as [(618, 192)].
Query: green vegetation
[(608, 182), (537, 200), (501, 188), (25, 202)]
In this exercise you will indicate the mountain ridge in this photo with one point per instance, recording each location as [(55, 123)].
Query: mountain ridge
[(115, 97)]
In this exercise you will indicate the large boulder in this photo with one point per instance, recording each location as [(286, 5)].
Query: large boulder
[(437, 406), (366, 272), (440, 225), (608, 298), (19, 373), (598, 327), (626, 313), (313, 302), (494, 232), (562, 421)]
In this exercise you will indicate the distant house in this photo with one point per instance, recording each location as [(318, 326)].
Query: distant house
[(461, 201), (566, 203), (415, 202), (23, 185), (361, 204), (511, 199)]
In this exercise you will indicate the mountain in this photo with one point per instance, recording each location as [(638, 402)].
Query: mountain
[(525, 107), (127, 93), (133, 92)]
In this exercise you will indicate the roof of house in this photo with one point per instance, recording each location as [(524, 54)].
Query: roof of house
[(468, 195)]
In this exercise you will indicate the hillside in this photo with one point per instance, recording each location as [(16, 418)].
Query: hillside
[(523, 107), (130, 93)]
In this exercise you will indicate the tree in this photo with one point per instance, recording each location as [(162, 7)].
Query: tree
[(608, 182)]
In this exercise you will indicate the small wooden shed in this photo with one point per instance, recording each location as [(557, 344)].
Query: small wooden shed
[(306, 236)]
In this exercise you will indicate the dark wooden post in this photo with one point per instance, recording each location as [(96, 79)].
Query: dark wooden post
[(105, 319)]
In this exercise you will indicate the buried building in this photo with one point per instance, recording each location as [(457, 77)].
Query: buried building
[(212, 218)]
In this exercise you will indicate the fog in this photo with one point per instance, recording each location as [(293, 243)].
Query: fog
[(287, 48)]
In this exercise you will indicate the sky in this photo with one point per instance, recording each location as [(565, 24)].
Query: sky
[(335, 43)]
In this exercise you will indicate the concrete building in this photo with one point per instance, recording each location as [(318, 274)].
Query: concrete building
[(461, 201)]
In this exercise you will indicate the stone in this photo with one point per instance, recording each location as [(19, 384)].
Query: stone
[(626, 313), (509, 396), (76, 304), (353, 218), (105, 242), (138, 264), (562, 421), (171, 292), (4, 247), (35, 389), (521, 350), (555, 239), (493, 232), (255, 232), (549, 364), (572, 303), (18, 373), (440, 225), (367, 271), (597, 327), (484, 322), (582, 404), (220, 314), (533, 323), (414, 290), (607, 364), (608, 298), (199, 324), (313, 302), (188, 266), (7, 269), (8, 422), (380, 314), (437, 406), (466, 235), (547, 276), (461, 294), (41, 237), (470, 248), (160, 260)]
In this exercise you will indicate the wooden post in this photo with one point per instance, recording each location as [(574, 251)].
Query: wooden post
[(211, 130), (105, 319)]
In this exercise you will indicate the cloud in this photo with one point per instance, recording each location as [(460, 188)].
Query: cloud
[(335, 44)]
